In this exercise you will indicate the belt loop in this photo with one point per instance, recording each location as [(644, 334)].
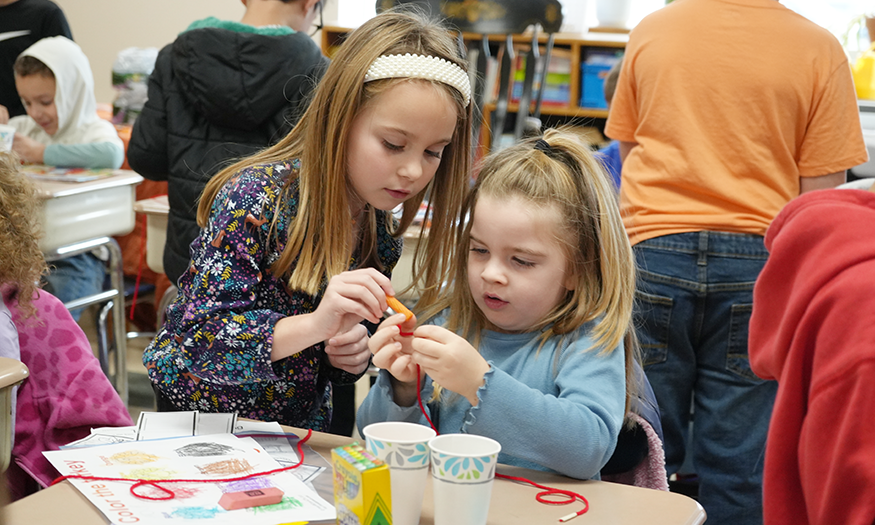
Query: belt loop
[(703, 249)]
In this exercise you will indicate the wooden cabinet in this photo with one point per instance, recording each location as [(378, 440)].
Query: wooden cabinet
[(578, 45)]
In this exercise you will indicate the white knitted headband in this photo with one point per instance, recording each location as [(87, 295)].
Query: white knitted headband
[(419, 66)]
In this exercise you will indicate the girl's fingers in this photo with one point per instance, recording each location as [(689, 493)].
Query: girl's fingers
[(435, 333), (368, 286), (431, 343), (387, 355), (382, 337)]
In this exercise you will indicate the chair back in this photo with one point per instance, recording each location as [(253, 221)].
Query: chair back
[(12, 373), (507, 18)]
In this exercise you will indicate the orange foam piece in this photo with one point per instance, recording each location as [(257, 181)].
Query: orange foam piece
[(251, 498), (399, 307)]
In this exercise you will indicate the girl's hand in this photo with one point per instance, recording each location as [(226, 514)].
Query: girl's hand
[(349, 298), (28, 150), (349, 351), (392, 352), (449, 360), (4, 114)]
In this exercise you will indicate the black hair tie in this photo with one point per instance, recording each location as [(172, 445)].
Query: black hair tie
[(541, 145)]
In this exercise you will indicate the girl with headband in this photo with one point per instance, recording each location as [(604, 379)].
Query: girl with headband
[(299, 242)]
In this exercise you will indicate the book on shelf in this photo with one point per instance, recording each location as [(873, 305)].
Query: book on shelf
[(557, 91), (557, 88), (490, 78)]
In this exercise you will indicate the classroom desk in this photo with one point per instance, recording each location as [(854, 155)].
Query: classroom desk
[(512, 503), (156, 210), (82, 216)]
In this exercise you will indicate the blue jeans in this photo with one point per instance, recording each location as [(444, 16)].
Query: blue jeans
[(694, 301), (75, 277)]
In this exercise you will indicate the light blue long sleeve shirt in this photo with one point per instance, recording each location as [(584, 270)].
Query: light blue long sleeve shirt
[(558, 409), (95, 155)]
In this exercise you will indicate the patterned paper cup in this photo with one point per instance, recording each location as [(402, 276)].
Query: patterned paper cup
[(404, 447), (462, 470)]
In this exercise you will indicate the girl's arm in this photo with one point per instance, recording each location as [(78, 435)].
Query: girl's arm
[(232, 317), (380, 404), (573, 429), (95, 155), (224, 321)]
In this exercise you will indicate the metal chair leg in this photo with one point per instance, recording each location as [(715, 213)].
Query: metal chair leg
[(103, 337)]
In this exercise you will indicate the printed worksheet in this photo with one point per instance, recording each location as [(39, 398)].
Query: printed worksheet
[(215, 459)]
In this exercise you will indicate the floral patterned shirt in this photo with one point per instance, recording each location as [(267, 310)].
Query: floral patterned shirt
[(213, 352)]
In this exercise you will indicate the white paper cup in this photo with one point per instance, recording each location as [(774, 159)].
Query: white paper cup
[(404, 447), (7, 135), (462, 471)]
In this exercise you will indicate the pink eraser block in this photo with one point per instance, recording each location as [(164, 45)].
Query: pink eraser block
[(251, 498)]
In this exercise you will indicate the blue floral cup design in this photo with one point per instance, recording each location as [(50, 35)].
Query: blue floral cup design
[(464, 458), (403, 456)]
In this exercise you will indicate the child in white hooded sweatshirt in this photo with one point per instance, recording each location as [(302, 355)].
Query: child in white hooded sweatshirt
[(62, 128)]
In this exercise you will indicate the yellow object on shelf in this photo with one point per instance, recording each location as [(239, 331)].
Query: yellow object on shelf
[(864, 74)]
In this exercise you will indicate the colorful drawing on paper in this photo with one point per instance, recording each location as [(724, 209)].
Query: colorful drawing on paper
[(227, 468), (205, 449), (151, 473), (133, 457), (192, 501)]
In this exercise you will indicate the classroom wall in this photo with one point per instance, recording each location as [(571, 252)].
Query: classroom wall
[(104, 27)]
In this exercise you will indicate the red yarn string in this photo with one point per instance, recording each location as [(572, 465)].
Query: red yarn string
[(541, 497), (169, 494)]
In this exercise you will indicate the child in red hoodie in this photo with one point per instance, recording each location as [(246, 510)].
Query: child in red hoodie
[(813, 329)]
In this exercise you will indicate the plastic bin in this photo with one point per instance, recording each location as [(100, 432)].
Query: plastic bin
[(593, 72)]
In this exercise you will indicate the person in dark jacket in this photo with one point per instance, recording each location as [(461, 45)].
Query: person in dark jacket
[(22, 24), (221, 91)]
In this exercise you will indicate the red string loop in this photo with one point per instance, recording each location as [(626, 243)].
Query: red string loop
[(169, 494)]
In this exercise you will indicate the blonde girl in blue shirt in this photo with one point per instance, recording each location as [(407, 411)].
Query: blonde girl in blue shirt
[(529, 344)]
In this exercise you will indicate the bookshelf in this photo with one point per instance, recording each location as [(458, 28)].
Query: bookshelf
[(576, 45)]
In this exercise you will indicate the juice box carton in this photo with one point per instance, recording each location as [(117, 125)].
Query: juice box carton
[(362, 488)]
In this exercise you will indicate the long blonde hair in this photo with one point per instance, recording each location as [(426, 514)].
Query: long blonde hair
[(568, 177), (318, 246), (21, 259)]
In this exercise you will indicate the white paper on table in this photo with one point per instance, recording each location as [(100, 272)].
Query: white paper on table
[(162, 425), (198, 457), (124, 432), (278, 447), (188, 423), (96, 439), (206, 423)]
